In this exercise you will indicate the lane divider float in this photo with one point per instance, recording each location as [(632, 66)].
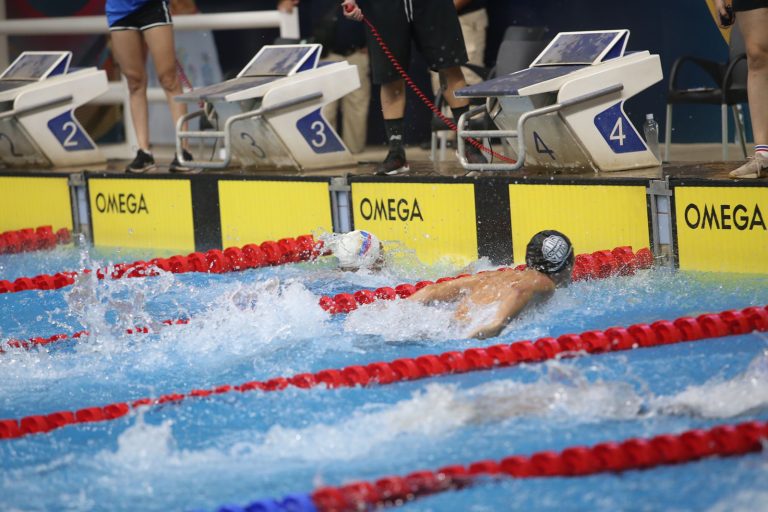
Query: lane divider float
[(31, 343), (639, 453), (613, 339), (33, 239), (597, 265), (286, 250)]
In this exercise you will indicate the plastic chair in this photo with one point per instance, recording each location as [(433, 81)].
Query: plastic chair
[(520, 45), (730, 90)]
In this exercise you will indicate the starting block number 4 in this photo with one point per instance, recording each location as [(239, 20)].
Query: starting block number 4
[(69, 133), (617, 131), (541, 147), (318, 133)]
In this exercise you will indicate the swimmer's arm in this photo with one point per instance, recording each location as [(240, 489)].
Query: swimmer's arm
[(507, 310), (445, 291)]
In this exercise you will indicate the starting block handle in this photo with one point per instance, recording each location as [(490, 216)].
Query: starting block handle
[(464, 134), (33, 109), (226, 134)]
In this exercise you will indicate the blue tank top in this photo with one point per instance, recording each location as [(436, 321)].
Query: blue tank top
[(119, 9)]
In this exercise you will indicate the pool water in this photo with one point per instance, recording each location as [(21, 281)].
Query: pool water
[(235, 448)]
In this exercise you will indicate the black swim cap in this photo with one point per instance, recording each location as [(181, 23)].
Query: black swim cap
[(549, 252)]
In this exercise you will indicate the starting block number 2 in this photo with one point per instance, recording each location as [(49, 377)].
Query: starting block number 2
[(318, 133), (68, 132)]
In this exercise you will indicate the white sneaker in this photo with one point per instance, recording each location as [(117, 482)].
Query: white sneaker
[(756, 167)]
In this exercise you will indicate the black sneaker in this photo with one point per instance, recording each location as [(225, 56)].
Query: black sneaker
[(474, 155), (393, 164), (142, 163), (177, 166)]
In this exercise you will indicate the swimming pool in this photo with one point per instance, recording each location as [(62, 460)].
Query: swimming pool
[(262, 323)]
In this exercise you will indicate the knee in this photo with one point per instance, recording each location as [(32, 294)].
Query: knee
[(451, 76), (757, 57), (392, 90), (137, 83), (169, 80)]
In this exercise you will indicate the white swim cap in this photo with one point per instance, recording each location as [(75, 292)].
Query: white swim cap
[(356, 249)]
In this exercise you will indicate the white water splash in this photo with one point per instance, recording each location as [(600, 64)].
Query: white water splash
[(243, 322), (142, 446), (372, 427), (743, 394), (110, 306), (402, 320)]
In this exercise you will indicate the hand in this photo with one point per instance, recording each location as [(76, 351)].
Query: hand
[(720, 7), (351, 10), (287, 5)]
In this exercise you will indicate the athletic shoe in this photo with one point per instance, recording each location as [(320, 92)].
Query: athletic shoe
[(756, 167), (142, 163), (177, 166), (394, 164), (474, 155)]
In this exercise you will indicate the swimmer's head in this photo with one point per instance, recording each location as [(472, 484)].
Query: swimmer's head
[(550, 252), (357, 249)]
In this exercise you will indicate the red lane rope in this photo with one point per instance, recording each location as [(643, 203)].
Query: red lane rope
[(286, 250), (32, 239), (607, 457), (598, 265), (31, 343), (662, 332), (423, 97)]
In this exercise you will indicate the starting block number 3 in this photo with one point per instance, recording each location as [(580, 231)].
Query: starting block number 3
[(318, 134)]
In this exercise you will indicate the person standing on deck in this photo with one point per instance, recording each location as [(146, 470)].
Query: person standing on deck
[(135, 26), (433, 26), (752, 17)]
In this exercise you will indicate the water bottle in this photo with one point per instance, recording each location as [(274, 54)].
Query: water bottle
[(651, 130)]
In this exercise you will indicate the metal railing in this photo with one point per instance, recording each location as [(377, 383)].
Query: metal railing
[(288, 24)]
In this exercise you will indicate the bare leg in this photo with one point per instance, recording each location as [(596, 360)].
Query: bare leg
[(393, 99), (161, 47), (128, 49), (753, 25), (453, 79)]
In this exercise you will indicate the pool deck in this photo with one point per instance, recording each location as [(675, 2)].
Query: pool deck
[(695, 161)]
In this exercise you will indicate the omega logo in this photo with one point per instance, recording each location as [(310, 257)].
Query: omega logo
[(392, 209), (121, 203), (724, 216)]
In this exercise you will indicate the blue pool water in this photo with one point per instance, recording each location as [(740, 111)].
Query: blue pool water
[(258, 324)]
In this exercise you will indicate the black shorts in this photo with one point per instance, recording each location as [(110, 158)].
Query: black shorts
[(149, 15), (432, 25), (748, 5)]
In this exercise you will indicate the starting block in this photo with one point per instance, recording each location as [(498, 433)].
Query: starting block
[(38, 97), (566, 111), (271, 114)]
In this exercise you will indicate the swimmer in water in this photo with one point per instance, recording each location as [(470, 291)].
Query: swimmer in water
[(549, 257), (356, 250)]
